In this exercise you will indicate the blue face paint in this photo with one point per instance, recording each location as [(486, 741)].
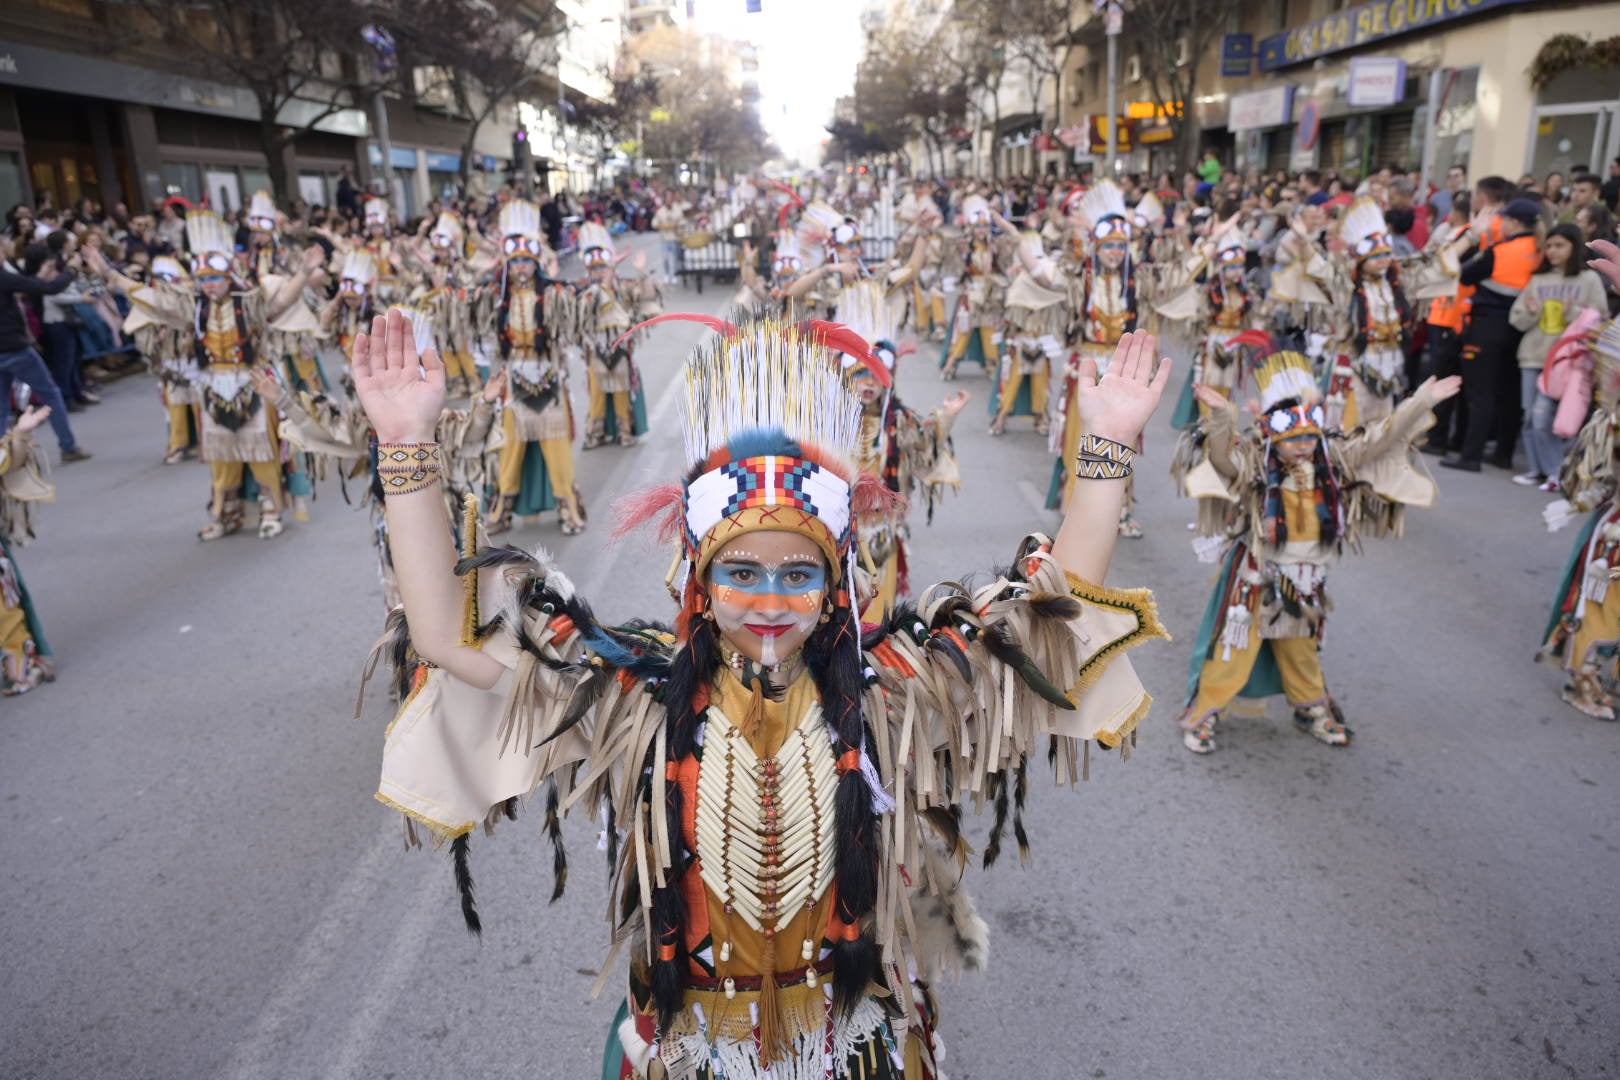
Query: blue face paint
[(794, 579)]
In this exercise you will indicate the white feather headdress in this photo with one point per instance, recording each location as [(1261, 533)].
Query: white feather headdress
[(207, 234)]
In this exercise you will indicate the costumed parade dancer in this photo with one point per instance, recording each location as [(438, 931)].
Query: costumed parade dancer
[(1038, 316), (904, 449), (536, 471), (1277, 505), (1369, 376), (449, 278), (977, 267), (771, 767), (1228, 308), (226, 318), (25, 655), (608, 304), (924, 222), (1101, 282), (168, 347), (336, 429), (290, 337)]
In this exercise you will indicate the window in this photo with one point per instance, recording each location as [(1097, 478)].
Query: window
[(1133, 68)]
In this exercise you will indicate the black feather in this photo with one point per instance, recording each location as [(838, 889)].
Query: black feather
[(944, 646), (586, 695), (1062, 608), (464, 885), (998, 638), (947, 822), (1020, 791), (559, 851), (998, 793)]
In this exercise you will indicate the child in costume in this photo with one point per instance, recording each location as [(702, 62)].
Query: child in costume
[(447, 277), (1101, 282), (782, 787), (168, 348), (978, 263), (609, 304), (1368, 375), (25, 655), (1275, 510), (536, 471), (1038, 317)]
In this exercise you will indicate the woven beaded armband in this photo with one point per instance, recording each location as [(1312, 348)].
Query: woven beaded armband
[(1103, 459), (407, 467)]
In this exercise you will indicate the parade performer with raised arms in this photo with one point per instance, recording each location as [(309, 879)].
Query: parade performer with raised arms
[(25, 655), (609, 304), (788, 784), (1278, 504)]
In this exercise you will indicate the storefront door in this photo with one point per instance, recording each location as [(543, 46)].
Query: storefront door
[(1572, 137)]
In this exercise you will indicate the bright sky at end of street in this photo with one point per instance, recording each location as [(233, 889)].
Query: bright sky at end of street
[(808, 50)]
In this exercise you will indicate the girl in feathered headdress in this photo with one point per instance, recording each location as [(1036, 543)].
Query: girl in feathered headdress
[(782, 785), (978, 267), (449, 269), (1278, 504), (1368, 375), (227, 320), (609, 304)]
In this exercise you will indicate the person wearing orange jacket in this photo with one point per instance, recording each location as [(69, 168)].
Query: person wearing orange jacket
[(1490, 343)]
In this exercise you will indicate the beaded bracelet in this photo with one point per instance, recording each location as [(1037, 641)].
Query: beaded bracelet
[(407, 467), (1102, 459)]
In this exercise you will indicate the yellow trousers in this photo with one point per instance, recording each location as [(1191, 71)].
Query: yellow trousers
[(1037, 391), (888, 584), (1600, 626), (180, 435), (459, 364), (927, 311), (227, 477), (308, 369), (1298, 659), (597, 416), (558, 455), (987, 341)]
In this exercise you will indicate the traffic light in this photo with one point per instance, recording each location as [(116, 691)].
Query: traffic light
[(522, 160)]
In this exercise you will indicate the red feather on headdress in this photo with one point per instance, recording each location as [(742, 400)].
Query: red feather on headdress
[(713, 322), (660, 506), (840, 338), (873, 497), (1256, 339)]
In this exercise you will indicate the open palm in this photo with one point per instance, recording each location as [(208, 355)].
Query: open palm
[(1117, 406), (402, 393)]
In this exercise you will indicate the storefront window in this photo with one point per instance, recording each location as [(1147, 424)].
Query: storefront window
[(1577, 122), (255, 180), (1454, 126), (11, 180), (181, 178)]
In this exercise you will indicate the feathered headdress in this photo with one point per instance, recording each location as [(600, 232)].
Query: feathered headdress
[(976, 212), (820, 226), (359, 268), (1231, 249), (595, 244), (1149, 211), (209, 241), (168, 268), (448, 231), (520, 229), (422, 327), (1364, 230), (1104, 208), (376, 208), (867, 309), (1290, 400), (261, 212), (786, 258)]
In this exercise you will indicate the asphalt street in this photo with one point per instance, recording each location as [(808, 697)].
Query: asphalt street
[(198, 883)]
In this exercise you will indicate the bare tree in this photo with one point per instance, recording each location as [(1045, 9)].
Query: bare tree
[(483, 54), (1174, 37), (298, 58)]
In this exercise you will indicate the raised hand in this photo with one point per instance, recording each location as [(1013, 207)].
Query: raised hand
[(32, 417), (1118, 405), (1608, 261), (265, 383), (314, 257), (1212, 398), (1441, 389), (496, 386), (956, 402), (402, 394)]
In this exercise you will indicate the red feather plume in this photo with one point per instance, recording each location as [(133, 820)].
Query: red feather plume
[(659, 506), (840, 338), (873, 497), (1256, 339), (713, 322)]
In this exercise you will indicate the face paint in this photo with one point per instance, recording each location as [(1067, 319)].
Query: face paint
[(1296, 449), (766, 604)]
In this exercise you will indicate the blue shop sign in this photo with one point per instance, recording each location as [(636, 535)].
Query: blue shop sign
[(1363, 25), (399, 157), (1237, 55), (439, 162)]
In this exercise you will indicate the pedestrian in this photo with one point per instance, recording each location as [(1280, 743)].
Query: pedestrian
[(60, 323), (1560, 290), (19, 361), (1209, 170), (1491, 344), (763, 732), (1456, 183)]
